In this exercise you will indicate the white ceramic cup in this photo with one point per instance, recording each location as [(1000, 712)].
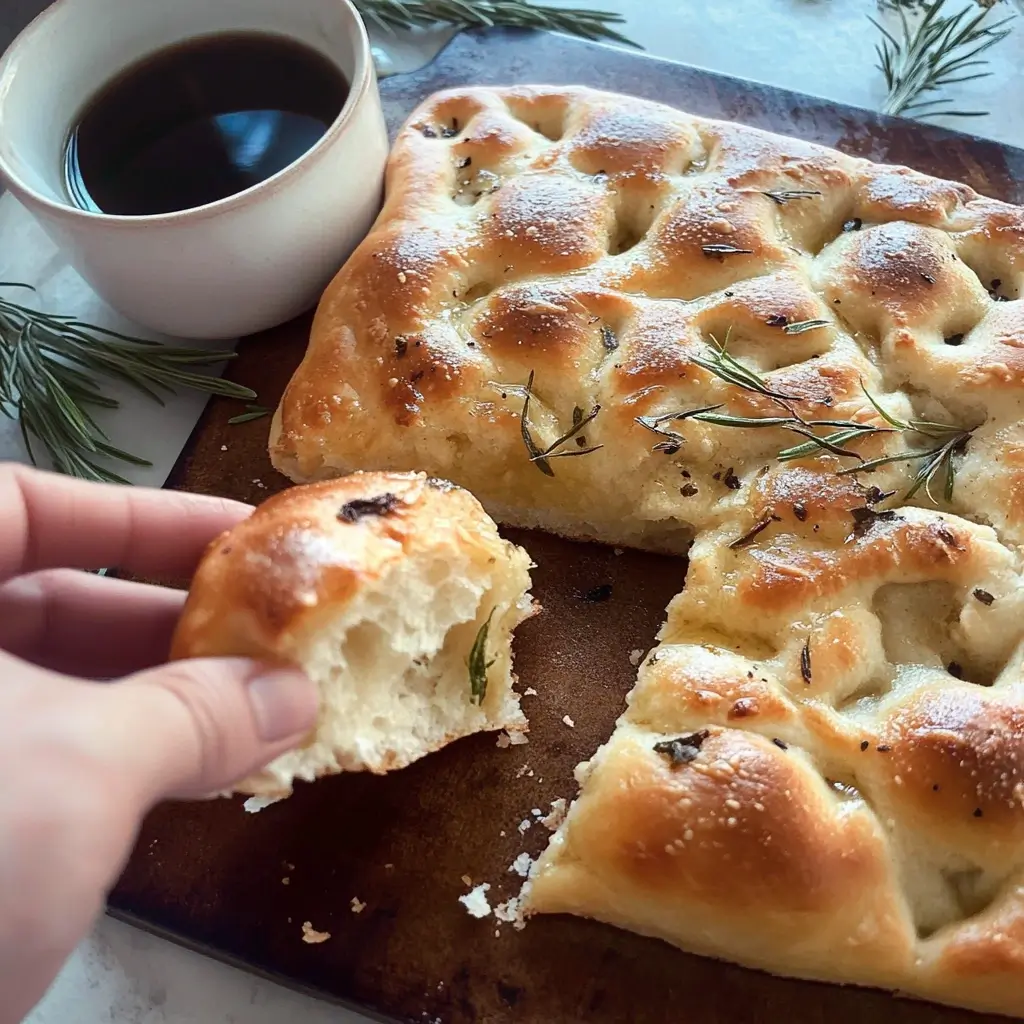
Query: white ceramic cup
[(244, 263)]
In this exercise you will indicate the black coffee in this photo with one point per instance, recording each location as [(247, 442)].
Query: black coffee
[(200, 121)]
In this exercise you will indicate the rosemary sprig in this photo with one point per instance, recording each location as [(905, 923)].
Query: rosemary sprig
[(538, 456), (575, 21), (934, 53), (724, 366), (478, 663), (49, 365), (939, 459)]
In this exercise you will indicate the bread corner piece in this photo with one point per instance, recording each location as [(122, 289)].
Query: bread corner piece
[(394, 592)]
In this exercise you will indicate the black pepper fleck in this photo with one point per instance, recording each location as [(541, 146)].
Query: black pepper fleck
[(977, 812), (688, 490), (780, 744), (883, 748), (983, 596), (597, 594), (401, 347), (731, 480), (864, 744), (800, 511)]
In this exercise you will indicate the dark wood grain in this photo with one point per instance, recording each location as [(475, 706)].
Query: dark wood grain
[(212, 876)]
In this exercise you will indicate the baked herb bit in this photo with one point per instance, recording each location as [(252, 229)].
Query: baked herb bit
[(478, 663), (783, 196), (759, 527), (50, 370), (933, 51), (575, 21), (538, 456), (683, 749), (358, 508), (805, 662)]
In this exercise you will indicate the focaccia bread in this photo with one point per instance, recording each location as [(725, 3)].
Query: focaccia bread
[(396, 595), (602, 245), (807, 362)]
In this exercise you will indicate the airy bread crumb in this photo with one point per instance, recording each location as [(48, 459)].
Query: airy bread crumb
[(311, 936)]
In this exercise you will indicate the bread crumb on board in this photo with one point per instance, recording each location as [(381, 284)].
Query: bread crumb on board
[(568, 721), (510, 912), (475, 901), (635, 656), (466, 880), (529, 692), (557, 815), (311, 936), (358, 906), (511, 739), (256, 803), (524, 825)]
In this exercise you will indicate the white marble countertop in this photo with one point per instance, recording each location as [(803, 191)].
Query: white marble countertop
[(823, 47)]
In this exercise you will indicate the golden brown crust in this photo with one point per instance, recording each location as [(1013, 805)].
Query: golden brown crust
[(838, 655), (599, 242), (262, 584)]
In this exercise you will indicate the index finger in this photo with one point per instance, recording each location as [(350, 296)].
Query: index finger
[(54, 521)]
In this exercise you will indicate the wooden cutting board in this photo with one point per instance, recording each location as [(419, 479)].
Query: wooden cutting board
[(239, 886)]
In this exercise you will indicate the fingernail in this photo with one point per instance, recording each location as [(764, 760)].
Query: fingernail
[(284, 703)]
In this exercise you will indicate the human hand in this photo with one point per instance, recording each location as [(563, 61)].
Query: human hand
[(81, 762)]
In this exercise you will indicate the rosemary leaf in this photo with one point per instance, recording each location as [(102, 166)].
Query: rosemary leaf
[(931, 52), (806, 325), (478, 663), (784, 196), (720, 250), (253, 412), (51, 371), (405, 14), (833, 443), (536, 455)]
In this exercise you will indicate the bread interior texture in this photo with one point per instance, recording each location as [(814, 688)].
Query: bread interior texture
[(393, 667)]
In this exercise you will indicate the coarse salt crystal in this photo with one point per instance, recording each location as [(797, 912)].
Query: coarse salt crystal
[(521, 865), (475, 901)]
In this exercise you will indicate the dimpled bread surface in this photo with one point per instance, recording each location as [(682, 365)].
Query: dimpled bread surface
[(819, 772)]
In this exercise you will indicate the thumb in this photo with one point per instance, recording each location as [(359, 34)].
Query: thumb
[(192, 728)]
